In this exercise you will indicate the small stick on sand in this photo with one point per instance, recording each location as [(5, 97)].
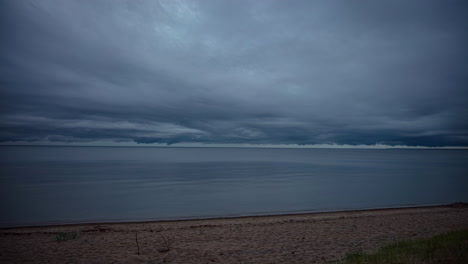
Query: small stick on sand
[(136, 239), (165, 242)]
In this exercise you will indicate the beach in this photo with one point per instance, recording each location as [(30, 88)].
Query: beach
[(299, 238)]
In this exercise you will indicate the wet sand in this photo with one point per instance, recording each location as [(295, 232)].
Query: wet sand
[(301, 238)]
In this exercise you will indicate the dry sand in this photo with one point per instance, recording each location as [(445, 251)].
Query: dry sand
[(302, 238)]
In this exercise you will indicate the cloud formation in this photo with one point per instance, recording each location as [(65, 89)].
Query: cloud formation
[(235, 72)]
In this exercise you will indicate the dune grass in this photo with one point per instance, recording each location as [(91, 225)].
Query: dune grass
[(446, 248), (64, 236)]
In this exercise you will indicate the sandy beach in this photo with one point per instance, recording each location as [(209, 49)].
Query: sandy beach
[(301, 238)]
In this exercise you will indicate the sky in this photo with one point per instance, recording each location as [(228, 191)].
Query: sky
[(290, 73)]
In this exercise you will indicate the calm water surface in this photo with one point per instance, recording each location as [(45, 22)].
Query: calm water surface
[(47, 185)]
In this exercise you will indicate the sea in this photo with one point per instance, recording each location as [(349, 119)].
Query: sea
[(45, 185)]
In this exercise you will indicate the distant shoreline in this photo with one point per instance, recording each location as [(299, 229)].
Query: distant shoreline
[(351, 147)]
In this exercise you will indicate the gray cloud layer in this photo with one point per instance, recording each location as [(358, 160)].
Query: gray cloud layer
[(263, 72)]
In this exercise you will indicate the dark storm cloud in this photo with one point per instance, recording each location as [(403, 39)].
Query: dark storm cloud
[(262, 72)]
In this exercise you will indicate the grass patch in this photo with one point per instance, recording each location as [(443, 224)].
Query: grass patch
[(447, 248), (64, 236)]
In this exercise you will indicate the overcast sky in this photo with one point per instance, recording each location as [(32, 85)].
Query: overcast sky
[(231, 72)]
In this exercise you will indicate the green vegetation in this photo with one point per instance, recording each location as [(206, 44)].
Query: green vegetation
[(64, 236), (447, 248)]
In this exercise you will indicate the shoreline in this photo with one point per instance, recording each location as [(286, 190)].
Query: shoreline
[(294, 238), (266, 215), (398, 147)]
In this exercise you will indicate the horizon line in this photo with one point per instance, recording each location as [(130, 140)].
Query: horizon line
[(224, 145)]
